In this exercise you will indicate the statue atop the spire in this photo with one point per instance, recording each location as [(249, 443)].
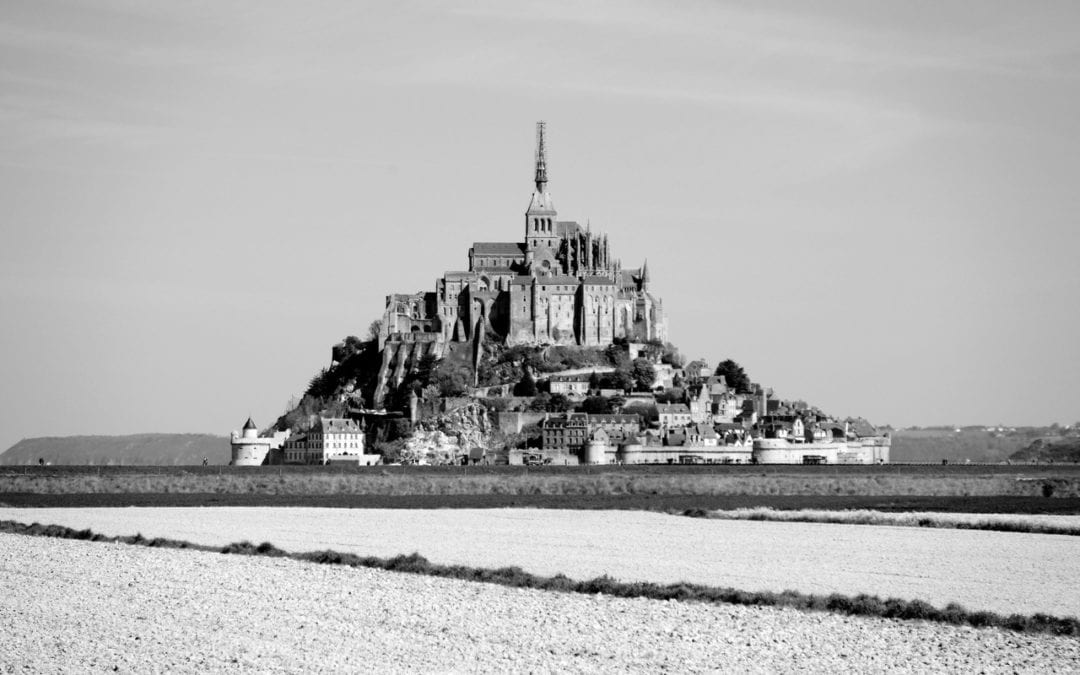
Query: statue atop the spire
[(541, 160)]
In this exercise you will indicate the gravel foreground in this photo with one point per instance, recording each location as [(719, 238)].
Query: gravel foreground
[(79, 606), (1004, 572)]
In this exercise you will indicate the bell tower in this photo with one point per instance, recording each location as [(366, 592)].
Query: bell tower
[(540, 216)]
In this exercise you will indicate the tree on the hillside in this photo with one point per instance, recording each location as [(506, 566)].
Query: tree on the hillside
[(671, 356), (594, 381), (453, 377), (559, 403), (346, 348), (545, 402), (735, 376), (596, 405), (602, 405), (643, 373), (673, 395), (322, 384), (526, 386), (619, 379), (617, 354), (398, 428), (693, 370), (353, 344), (390, 450), (374, 328), (539, 403)]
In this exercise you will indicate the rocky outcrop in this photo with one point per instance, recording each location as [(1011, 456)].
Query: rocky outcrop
[(463, 430), (400, 358)]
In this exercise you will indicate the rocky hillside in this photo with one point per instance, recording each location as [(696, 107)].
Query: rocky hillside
[(144, 449)]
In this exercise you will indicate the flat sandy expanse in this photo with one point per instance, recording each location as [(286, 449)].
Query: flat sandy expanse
[(997, 571), (74, 606)]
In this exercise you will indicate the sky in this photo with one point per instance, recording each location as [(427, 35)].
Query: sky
[(870, 206)]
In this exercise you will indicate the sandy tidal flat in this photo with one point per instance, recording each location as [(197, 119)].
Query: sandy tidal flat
[(75, 606), (996, 571)]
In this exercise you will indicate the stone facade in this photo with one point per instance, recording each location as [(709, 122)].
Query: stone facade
[(560, 285), (331, 440)]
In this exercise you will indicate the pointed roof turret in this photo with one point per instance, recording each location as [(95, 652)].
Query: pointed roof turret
[(645, 271), (541, 159), (250, 424)]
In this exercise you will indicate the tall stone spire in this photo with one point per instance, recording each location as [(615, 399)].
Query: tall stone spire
[(541, 159), (540, 218)]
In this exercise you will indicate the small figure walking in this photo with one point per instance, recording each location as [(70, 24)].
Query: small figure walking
[(205, 461)]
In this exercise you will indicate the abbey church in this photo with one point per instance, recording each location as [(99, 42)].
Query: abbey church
[(560, 285)]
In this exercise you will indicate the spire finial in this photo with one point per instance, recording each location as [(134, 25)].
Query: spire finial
[(541, 159)]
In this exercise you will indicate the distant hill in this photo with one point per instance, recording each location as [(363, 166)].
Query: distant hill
[(145, 449), (1053, 449), (933, 445)]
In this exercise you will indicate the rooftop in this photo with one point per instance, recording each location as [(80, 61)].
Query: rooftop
[(673, 408), (498, 248)]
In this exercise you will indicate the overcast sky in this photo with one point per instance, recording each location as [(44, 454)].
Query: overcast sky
[(870, 206)]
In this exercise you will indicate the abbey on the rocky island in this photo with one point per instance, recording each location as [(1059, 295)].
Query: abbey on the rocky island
[(559, 286)]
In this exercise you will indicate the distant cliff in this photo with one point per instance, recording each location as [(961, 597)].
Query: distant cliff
[(145, 449)]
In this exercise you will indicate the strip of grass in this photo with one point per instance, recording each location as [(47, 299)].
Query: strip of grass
[(582, 482), (859, 605), (955, 521), (673, 504)]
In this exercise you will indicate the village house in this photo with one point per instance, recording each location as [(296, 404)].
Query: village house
[(571, 431), (726, 406), (701, 435), (700, 405), (694, 435), (673, 414), (332, 439), (617, 426), (674, 437), (572, 386), (567, 432)]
